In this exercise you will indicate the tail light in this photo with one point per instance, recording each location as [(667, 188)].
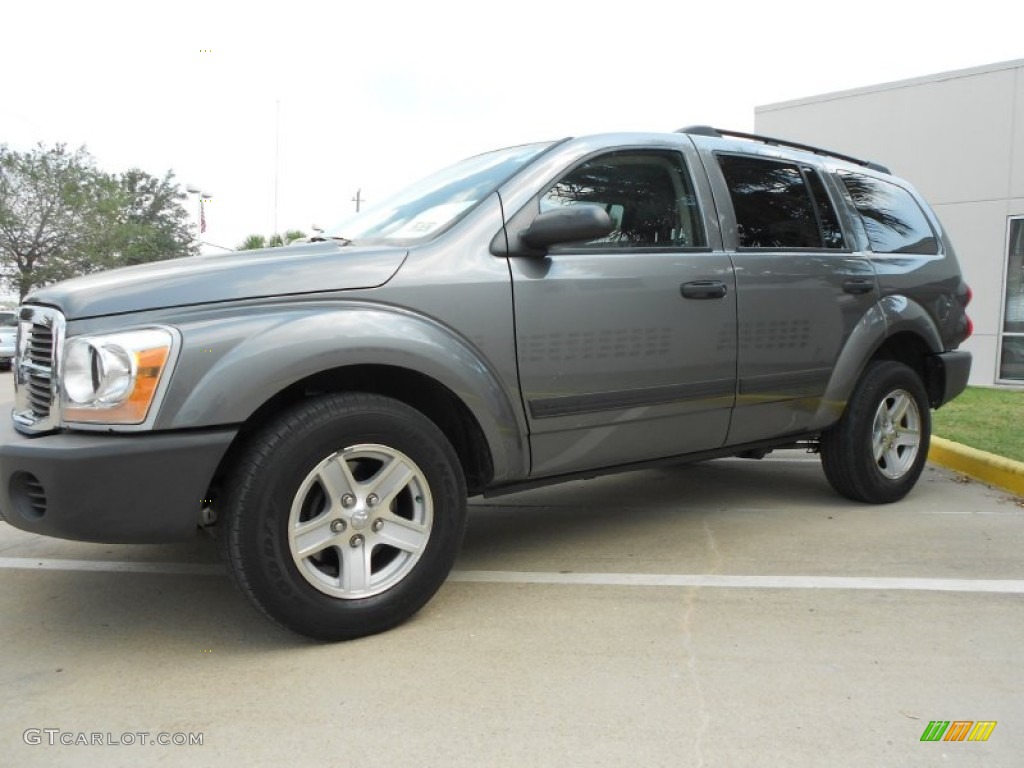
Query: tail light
[(964, 296)]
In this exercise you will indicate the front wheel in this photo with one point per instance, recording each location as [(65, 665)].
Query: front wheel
[(343, 516), (876, 451)]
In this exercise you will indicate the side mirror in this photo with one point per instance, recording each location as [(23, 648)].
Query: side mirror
[(583, 221)]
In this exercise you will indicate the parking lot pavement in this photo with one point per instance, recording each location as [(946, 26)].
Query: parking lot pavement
[(731, 613)]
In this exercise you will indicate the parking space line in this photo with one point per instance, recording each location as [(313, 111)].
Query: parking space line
[(1011, 586), (110, 566), (1004, 586)]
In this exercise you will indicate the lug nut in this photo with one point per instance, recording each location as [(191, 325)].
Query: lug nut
[(348, 501), (357, 541), (377, 525), (337, 526), (372, 500)]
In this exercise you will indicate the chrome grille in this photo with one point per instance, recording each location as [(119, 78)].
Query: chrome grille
[(39, 352), (40, 345), (38, 391), (36, 368)]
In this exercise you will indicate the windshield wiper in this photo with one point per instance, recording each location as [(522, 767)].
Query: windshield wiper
[(320, 237)]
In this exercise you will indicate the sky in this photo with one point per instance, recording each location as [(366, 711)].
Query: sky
[(282, 111)]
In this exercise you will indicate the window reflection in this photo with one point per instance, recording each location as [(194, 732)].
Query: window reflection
[(1012, 358), (774, 207), (830, 230), (648, 195), (429, 206), (892, 218)]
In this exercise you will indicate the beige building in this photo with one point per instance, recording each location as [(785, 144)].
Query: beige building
[(959, 138)]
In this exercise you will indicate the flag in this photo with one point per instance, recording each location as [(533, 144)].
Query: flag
[(202, 217)]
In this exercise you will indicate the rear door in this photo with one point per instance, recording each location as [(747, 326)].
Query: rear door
[(802, 289), (627, 344)]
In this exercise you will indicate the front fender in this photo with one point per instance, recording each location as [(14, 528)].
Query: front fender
[(232, 365), (886, 318)]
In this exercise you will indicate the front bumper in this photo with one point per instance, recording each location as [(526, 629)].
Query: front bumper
[(141, 488)]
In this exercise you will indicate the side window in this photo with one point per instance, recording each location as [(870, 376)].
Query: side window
[(648, 195), (779, 205), (894, 221), (827, 217)]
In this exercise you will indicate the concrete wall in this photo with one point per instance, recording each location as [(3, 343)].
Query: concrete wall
[(959, 138)]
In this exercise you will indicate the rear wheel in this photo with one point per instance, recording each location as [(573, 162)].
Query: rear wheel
[(344, 515), (876, 451)]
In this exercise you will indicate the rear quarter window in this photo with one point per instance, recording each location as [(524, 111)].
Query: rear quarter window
[(892, 217)]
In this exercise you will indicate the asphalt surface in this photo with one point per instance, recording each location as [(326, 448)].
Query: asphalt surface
[(731, 613)]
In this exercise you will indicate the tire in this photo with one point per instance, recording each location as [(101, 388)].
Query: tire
[(319, 531), (876, 451)]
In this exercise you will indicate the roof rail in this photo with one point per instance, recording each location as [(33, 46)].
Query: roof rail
[(707, 130)]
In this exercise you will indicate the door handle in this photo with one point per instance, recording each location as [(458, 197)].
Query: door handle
[(703, 289), (858, 285)]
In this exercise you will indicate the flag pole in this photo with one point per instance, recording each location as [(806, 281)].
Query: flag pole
[(200, 212)]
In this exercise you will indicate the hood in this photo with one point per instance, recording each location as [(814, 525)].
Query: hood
[(310, 268)]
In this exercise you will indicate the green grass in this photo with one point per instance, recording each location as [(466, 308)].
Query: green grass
[(987, 419)]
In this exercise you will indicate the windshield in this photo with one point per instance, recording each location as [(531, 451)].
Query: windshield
[(429, 206)]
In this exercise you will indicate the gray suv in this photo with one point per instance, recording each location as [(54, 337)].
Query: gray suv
[(536, 314)]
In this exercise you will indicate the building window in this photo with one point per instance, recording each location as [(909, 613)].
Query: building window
[(1011, 358)]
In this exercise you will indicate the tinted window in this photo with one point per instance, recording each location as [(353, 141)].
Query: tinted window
[(827, 218), (772, 203), (8, 319), (648, 195), (894, 221)]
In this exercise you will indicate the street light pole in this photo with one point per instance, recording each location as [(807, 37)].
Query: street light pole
[(277, 156)]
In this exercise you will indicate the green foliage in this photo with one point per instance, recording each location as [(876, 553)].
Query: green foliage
[(986, 419), (60, 217), (147, 220), (255, 242)]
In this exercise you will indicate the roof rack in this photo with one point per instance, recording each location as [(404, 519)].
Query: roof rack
[(707, 130)]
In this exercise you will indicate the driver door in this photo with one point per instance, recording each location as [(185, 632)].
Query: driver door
[(627, 344)]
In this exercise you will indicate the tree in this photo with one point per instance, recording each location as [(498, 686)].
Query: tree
[(60, 217), (255, 242), (44, 214), (146, 220)]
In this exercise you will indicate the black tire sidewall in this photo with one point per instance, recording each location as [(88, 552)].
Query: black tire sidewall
[(270, 473), (848, 449)]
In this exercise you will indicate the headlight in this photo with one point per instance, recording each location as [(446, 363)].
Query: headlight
[(113, 379)]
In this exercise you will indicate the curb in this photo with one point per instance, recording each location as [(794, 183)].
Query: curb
[(981, 465)]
